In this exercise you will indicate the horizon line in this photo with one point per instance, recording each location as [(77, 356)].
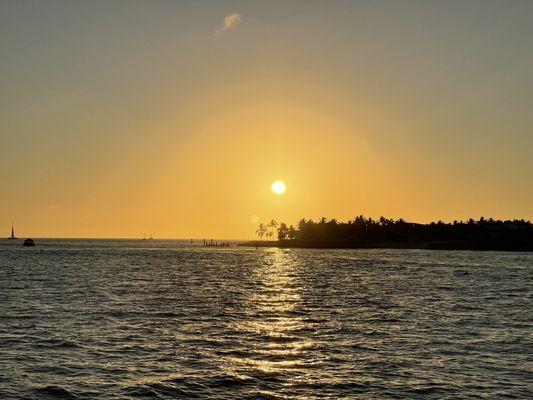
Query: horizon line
[(125, 238)]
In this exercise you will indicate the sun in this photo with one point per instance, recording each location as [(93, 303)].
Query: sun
[(279, 187)]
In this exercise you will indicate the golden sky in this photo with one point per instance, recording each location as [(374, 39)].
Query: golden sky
[(173, 119)]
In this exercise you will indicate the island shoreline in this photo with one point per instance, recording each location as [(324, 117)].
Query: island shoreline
[(415, 245)]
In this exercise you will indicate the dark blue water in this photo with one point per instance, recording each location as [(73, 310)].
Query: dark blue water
[(166, 320)]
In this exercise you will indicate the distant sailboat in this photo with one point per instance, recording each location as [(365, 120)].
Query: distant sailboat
[(12, 237)]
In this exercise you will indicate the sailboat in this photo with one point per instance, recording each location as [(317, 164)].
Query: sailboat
[(12, 237)]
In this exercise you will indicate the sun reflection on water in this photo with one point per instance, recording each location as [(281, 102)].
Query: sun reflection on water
[(278, 336)]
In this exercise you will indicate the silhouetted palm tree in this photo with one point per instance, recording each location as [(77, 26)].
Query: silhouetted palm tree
[(283, 231), (261, 230), (272, 225)]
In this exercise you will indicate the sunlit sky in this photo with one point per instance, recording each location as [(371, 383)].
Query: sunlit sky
[(174, 118)]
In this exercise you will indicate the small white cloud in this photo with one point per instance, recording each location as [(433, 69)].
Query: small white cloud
[(230, 22)]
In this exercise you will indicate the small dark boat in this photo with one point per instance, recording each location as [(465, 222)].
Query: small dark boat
[(28, 242)]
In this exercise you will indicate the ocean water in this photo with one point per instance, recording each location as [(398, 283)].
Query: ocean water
[(167, 320)]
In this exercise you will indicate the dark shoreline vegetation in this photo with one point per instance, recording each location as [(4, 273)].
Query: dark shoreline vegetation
[(361, 232)]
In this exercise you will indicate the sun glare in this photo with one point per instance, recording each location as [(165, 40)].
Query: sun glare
[(279, 187)]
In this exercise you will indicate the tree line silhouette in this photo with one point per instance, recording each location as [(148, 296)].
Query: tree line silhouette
[(366, 232)]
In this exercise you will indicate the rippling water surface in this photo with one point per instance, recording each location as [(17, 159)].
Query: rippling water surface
[(165, 320)]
